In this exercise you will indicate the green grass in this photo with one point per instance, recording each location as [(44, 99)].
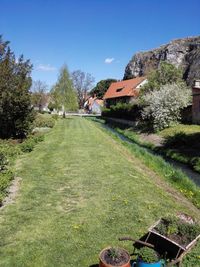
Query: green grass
[(187, 129), (81, 189), (10, 149), (8, 154), (181, 143), (176, 177)]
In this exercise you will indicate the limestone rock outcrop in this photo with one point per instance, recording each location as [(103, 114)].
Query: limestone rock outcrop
[(183, 53)]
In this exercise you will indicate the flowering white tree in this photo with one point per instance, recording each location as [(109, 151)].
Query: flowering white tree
[(162, 107)]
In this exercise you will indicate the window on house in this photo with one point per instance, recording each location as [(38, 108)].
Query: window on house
[(119, 90)]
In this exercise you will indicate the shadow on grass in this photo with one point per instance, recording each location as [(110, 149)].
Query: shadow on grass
[(184, 148), (185, 144)]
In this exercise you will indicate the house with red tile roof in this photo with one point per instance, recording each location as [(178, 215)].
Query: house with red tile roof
[(93, 105), (123, 91)]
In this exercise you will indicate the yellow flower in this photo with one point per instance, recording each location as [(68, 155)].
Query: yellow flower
[(76, 226)]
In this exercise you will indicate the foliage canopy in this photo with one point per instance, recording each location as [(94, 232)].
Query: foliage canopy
[(16, 113), (63, 93), (165, 74)]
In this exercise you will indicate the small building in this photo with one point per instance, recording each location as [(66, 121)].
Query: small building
[(93, 105), (196, 102), (123, 91)]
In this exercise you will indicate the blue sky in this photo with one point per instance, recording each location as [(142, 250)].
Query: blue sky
[(96, 36)]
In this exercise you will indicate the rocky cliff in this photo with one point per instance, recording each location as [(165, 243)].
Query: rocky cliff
[(183, 53)]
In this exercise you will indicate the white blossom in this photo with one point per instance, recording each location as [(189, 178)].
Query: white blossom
[(163, 106)]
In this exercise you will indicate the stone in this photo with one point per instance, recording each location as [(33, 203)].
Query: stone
[(183, 53)]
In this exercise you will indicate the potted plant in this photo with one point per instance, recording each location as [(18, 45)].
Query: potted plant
[(113, 256), (148, 257)]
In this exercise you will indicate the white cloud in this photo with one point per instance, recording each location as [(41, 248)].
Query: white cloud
[(44, 67), (109, 60)]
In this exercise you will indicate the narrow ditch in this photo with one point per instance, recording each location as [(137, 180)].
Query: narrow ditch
[(194, 176)]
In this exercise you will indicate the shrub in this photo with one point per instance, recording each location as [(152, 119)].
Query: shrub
[(15, 80), (8, 149), (55, 116), (162, 107), (51, 106), (3, 161), (29, 144), (5, 178), (122, 110), (44, 121)]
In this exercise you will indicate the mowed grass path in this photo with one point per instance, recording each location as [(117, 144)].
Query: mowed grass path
[(80, 191)]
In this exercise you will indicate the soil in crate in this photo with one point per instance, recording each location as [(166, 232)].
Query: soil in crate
[(178, 230)]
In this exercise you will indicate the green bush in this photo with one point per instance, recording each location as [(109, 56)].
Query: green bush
[(29, 144), (5, 178), (55, 116), (8, 149), (16, 113), (42, 120), (3, 161), (123, 111)]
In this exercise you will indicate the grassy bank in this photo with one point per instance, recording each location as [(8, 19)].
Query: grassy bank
[(81, 189), (158, 164), (181, 143)]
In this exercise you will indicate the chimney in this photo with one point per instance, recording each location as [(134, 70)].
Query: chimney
[(197, 84)]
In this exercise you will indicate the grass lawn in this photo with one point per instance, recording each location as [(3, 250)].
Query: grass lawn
[(184, 128), (81, 190), (182, 142)]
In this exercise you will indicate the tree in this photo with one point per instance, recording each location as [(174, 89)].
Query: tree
[(56, 101), (162, 107), (165, 74), (39, 95), (101, 87), (51, 106), (82, 83), (16, 113), (63, 92)]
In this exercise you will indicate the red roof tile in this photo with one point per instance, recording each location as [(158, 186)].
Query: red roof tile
[(124, 88)]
